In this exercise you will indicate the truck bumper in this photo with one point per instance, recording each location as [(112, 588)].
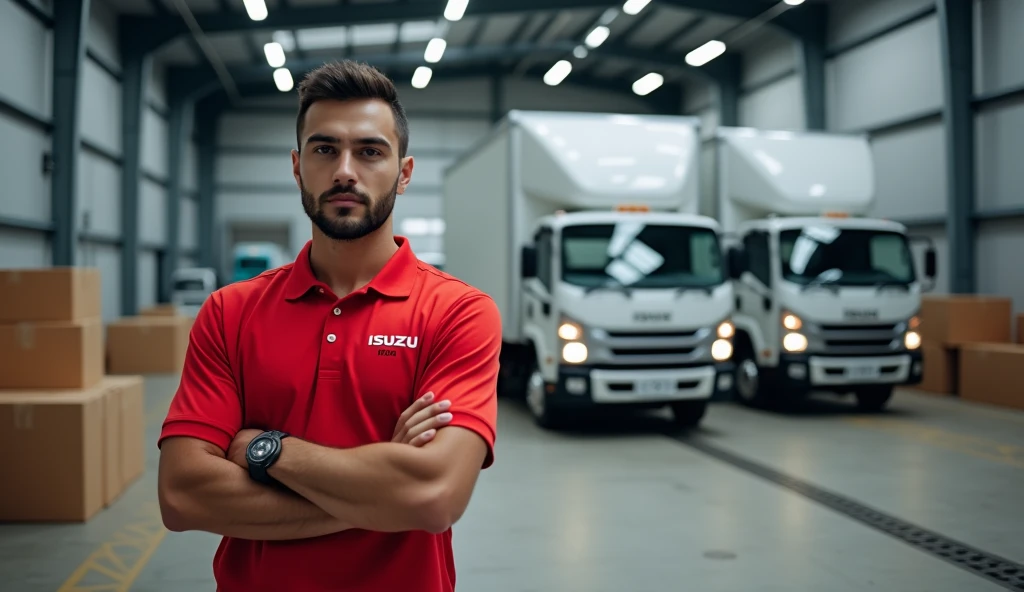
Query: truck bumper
[(583, 386), (810, 371)]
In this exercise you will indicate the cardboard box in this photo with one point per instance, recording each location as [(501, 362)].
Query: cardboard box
[(939, 366), (51, 355), (161, 310), (51, 294), (1020, 328), (79, 449), (126, 394), (992, 373), (147, 345), (957, 319), (58, 468)]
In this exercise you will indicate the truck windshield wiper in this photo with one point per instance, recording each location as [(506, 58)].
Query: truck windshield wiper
[(830, 283), (891, 284), (611, 288), (684, 289)]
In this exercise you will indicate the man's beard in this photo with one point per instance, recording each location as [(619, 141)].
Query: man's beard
[(345, 228)]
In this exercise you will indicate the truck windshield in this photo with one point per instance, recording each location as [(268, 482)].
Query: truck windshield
[(852, 257), (642, 256)]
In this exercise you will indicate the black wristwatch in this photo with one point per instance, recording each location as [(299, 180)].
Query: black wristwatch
[(262, 452)]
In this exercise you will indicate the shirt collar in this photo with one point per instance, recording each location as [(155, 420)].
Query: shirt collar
[(395, 279)]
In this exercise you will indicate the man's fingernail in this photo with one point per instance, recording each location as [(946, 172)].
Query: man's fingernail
[(428, 396), (444, 404), (445, 416)]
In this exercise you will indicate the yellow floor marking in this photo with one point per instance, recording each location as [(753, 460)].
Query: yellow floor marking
[(1007, 454), (114, 565)]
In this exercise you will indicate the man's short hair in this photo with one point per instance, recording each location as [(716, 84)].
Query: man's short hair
[(349, 80)]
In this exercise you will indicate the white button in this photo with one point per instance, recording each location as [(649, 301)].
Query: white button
[(337, 311), (331, 338), (321, 290)]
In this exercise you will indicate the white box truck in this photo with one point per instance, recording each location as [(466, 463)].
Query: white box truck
[(612, 290), (826, 299)]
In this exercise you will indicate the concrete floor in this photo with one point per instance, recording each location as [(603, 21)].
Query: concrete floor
[(622, 505)]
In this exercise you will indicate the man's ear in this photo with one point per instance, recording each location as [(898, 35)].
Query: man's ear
[(405, 174), (295, 169)]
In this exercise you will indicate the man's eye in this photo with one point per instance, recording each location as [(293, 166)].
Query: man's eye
[(322, 149)]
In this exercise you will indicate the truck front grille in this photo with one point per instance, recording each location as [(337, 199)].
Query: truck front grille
[(856, 339), (650, 349)]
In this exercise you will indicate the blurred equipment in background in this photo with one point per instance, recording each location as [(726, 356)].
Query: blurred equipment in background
[(250, 259)]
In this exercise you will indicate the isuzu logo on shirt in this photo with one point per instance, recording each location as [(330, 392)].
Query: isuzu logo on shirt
[(409, 341)]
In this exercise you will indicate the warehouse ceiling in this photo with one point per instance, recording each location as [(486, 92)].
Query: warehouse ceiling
[(221, 43)]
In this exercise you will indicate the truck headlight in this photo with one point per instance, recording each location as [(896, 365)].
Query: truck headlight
[(794, 342), (726, 330), (912, 340), (721, 350), (574, 352), (569, 331), (791, 321)]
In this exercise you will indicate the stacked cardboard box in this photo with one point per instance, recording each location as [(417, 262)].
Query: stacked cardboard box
[(155, 342), (78, 434), (968, 349)]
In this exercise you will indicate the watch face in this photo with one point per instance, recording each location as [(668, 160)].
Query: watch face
[(260, 449)]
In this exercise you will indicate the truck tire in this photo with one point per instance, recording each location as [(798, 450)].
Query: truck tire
[(537, 402), (688, 414), (873, 398), (749, 380)]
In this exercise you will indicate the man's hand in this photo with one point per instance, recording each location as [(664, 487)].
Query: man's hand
[(236, 452), (419, 423)]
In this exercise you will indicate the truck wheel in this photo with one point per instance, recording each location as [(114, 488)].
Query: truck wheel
[(749, 381), (537, 402), (687, 414), (873, 398)]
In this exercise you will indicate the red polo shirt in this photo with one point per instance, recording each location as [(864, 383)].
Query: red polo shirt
[(281, 351)]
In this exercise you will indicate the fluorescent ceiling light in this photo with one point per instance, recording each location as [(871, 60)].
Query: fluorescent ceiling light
[(274, 53), (421, 77), (648, 83), (705, 53), (794, 2), (455, 9), (283, 79), (597, 36), (557, 73), (635, 6), (435, 49), (256, 9)]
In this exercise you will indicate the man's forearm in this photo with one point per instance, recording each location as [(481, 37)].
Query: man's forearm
[(384, 487), (218, 496)]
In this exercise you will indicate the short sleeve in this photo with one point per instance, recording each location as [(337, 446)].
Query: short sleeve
[(206, 404), (463, 366)]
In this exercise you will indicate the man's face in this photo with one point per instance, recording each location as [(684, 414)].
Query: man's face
[(348, 171)]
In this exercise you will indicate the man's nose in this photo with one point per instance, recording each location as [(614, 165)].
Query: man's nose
[(345, 172)]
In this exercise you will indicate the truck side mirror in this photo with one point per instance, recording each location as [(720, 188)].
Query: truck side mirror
[(737, 262), (930, 264), (528, 263)]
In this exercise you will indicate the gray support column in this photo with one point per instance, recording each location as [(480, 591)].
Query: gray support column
[(177, 125), (956, 19), (69, 28), (133, 88), (727, 77), (206, 116), (497, 97), (812, 76)]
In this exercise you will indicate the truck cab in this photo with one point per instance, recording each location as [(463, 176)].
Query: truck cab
[(190, 287), (826, 298), (625, 308)]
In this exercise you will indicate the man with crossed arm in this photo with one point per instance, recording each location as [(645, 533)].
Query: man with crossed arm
[(304, 430)]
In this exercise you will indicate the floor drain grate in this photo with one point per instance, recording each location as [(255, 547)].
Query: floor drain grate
[(997, 569)]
